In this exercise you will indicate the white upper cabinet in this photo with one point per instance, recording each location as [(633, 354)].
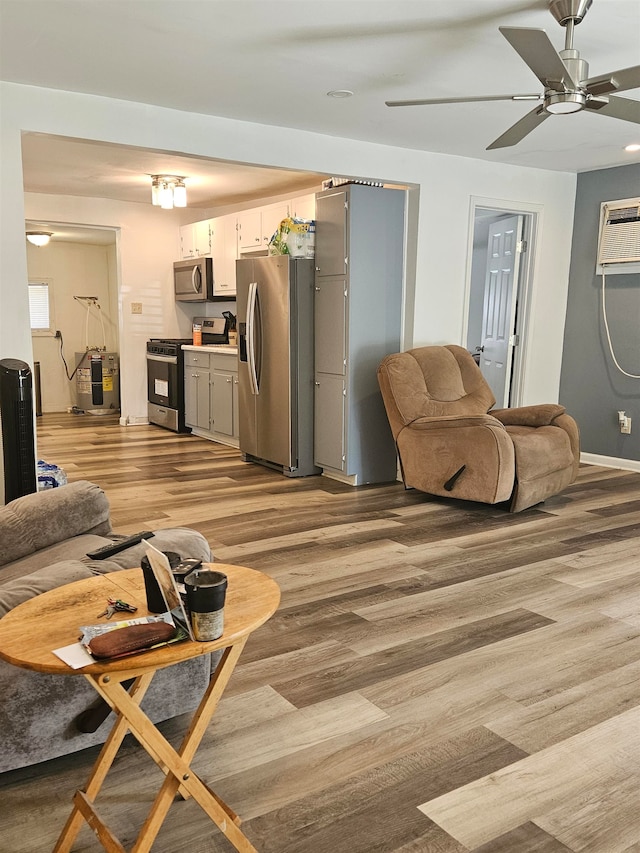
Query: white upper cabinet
[(257, 226), (195, 239), (224, 252), (187, 242), (272, 216), (303, 207), (249, 230), (246, 231)]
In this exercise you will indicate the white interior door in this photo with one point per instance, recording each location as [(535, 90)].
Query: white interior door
[(498, 316)]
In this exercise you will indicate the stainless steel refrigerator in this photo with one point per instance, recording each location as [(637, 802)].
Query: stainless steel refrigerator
[(275, 362)]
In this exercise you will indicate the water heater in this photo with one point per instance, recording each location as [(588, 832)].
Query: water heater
[(98, 382)]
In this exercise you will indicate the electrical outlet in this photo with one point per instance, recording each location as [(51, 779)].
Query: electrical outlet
[(136, 307), (625, 426)]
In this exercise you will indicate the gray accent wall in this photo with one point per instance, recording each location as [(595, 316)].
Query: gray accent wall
[(591, 387)]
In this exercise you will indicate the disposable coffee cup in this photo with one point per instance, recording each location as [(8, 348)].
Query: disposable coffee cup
[(206, 592), (155, 601)]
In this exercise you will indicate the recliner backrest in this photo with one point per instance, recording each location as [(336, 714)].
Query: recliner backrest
[(435, 381)]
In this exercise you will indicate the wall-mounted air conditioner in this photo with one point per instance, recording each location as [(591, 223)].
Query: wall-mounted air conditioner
[(619, 234)]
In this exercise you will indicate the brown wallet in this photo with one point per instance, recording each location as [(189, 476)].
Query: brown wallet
[(131, 639)]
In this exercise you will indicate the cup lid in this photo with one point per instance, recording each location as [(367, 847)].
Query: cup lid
[(206, 578)]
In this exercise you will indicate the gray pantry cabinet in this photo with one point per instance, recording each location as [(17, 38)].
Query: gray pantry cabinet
[(211, 395), (358, 314)]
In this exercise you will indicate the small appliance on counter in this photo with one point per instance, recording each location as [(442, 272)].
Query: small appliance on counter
[(215, 330)]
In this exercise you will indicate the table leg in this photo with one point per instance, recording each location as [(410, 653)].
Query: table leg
[(176, 764), (217, 810), (101, 767)]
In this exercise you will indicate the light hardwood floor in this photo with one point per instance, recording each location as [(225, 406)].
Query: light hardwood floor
[(441, 677)]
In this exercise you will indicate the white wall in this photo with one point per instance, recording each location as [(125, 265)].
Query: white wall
[(446, 186)]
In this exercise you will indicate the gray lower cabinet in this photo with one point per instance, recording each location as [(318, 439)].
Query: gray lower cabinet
[(358, 316), (329, 422), (196, 391), (211, 396)]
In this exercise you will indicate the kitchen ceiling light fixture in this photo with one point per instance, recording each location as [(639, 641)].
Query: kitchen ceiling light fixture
[(168, 191), (39, 238)]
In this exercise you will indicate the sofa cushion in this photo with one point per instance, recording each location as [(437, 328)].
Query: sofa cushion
[(41, 519)]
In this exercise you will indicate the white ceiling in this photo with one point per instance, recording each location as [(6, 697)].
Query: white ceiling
[(273, 63)]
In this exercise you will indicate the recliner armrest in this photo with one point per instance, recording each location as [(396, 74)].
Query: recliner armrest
[(458, 421), (531, 416)]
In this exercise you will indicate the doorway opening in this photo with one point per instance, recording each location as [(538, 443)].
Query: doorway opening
[(77, 354), (498, 295)]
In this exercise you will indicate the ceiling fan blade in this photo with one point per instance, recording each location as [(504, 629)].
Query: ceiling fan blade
[(616, 81), (520, 129), (622, 108), (429, 101), (534, 46)]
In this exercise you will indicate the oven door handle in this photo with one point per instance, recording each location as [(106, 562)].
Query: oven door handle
[(167, 359)]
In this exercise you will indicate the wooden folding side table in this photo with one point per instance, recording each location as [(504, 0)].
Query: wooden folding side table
[(30, 632)]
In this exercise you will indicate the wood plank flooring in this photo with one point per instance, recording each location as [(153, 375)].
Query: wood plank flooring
[(441, 677)]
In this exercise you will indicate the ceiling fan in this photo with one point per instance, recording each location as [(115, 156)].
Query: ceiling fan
[(564, 75)]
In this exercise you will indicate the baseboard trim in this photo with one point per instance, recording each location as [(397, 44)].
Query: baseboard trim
[(127, 420), (610, 462)]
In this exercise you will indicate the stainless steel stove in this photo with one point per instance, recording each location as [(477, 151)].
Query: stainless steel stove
[(165, 383)]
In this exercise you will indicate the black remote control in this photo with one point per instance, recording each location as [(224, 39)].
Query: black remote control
[(119, 545)]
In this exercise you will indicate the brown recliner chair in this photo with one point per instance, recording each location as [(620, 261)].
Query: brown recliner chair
[(449, 444)]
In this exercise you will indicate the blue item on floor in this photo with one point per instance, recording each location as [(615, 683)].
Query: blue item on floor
[(49, 476)]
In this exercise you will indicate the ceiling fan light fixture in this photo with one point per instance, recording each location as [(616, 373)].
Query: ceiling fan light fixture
[(565, 11), (563, 103), (39, 238)]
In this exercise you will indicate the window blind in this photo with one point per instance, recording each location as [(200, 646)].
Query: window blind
[(39, 306)]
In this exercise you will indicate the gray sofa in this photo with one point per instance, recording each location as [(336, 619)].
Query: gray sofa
[(44, 538)]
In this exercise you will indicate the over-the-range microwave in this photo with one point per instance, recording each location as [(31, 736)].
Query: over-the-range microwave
[(193, 280)]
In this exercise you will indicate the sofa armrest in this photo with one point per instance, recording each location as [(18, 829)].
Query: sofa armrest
[(38, 520), (21, 589), (532, 416)]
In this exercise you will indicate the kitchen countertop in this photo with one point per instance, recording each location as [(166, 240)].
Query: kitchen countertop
[(223, 349)]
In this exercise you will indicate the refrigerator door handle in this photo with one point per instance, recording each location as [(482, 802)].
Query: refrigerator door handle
[(251, 337)]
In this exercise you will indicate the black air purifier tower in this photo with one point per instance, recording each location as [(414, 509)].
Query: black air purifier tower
[(18, 445)]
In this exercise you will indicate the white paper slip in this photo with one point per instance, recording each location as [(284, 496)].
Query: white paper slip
[(75, 655)]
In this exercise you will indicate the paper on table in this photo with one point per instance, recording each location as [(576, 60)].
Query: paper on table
[(75, 655)]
